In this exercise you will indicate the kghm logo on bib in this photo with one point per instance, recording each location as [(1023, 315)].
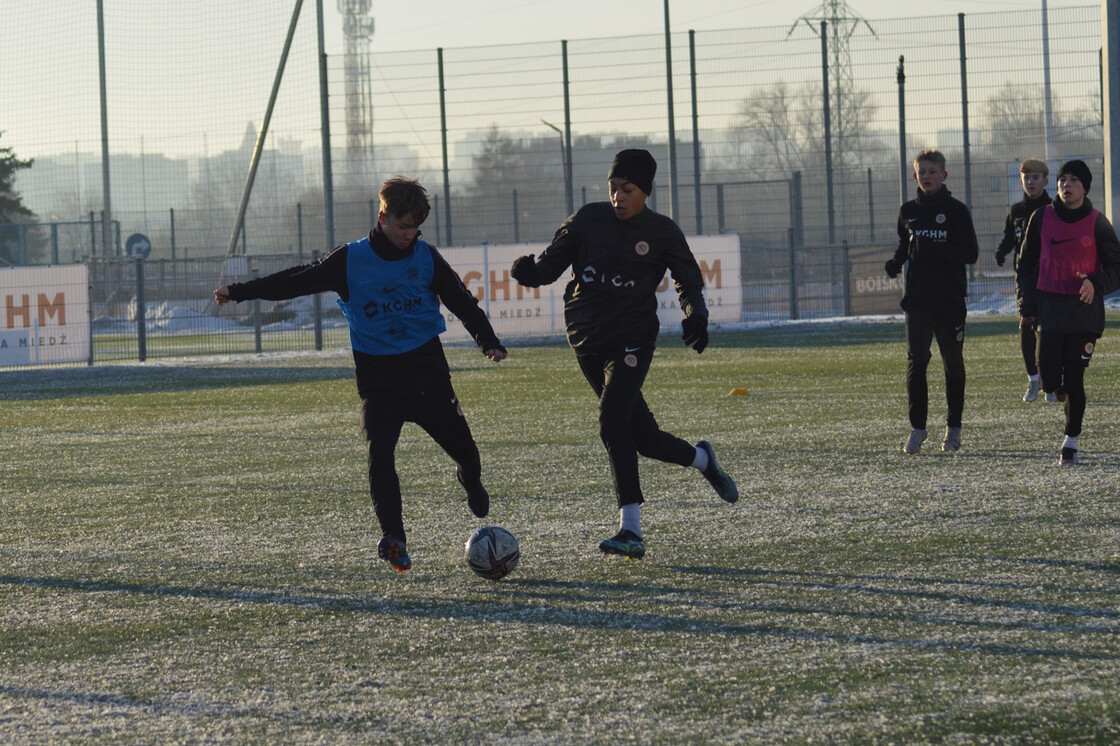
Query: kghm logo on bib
[(641, 248)]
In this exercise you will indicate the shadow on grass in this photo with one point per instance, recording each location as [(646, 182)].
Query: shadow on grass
[(849, 333), (553, 614)]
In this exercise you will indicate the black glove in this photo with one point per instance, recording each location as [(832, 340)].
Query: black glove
[(1000, 258), (524, 270), (695, 332), (892, 267)]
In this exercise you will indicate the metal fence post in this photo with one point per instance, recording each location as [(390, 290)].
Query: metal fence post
[(673, 196), (797, 210), (141, 321), (721, 222), (257, 320), (964, 114), (794, 314), (299, 231), (89, 309), (828, 136), (317, 311), (846, 278), (903, 180), (568, 172), (516, 220), (870, 208), (695, 135), (443, 139)]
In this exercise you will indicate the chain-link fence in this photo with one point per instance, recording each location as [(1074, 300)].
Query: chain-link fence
[(788, 138)]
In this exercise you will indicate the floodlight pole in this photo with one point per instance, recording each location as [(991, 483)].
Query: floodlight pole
[(258, 147), (325, 126), (1110, 31), (1046, 82), (107, 211), (672, 117)]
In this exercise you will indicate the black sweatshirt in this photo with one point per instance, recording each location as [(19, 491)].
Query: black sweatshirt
[(936, 236), (1015, 226), (617, 267)]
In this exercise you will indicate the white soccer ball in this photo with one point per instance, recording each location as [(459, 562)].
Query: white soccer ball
[(492, 552)]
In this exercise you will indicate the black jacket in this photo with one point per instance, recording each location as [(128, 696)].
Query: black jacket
[(418, 371), (1060, 313), (936, 237), (1015, 226), (617, 267)]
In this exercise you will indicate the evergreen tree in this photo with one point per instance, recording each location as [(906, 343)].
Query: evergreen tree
[(12, 209)]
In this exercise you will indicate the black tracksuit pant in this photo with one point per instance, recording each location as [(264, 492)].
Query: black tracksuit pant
[(927, 319), (1062, 360), (384, 413), (1028, 343), (626, 425)]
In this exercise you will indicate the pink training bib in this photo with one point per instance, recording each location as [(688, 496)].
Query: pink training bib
[(1066, 250)]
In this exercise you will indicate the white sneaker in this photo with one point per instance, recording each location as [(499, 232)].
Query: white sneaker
[(914, 442), (952, 439), (1051, 397), (1032, 391)]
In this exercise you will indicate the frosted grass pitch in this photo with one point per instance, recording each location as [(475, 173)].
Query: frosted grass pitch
[(189, 555)]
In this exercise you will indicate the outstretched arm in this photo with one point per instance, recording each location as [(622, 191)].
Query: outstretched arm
[(328, 273)]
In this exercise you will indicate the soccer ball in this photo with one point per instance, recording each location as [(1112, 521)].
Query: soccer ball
[(492, 552)]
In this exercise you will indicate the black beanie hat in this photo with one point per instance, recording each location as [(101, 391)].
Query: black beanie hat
[(636, 166), (1080, 170)]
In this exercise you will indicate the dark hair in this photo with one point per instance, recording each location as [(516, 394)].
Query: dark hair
[(405, 198), (931, 155)]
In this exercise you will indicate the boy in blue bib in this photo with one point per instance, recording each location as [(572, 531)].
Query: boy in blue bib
[(390, 284)]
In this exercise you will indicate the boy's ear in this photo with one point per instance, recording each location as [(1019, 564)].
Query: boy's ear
[(381, 217)]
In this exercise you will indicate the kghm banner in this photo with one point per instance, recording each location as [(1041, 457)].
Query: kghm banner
[(515, 310), (44, 315)]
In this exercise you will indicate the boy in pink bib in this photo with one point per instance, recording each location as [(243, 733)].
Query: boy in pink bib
[(1069, 260)]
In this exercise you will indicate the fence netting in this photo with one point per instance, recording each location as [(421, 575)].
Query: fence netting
[(506, 138)]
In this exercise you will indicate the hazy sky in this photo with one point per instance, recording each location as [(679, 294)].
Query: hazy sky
[(188, 77), (452, 23)]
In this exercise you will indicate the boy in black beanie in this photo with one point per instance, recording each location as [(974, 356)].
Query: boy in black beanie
[(1070, 260), (618, 253), (1032, 174)]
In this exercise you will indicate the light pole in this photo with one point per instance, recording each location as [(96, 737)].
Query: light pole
[(564, 163)]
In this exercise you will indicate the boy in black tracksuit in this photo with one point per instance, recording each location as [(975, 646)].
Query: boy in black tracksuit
[(1069, 260), (1032, 174), (390, 285), (618, 253), (936, 240)]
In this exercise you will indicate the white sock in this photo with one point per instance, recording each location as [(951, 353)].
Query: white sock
[(701, 460), (1033, 379), (1071, 442), (630, 518)]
